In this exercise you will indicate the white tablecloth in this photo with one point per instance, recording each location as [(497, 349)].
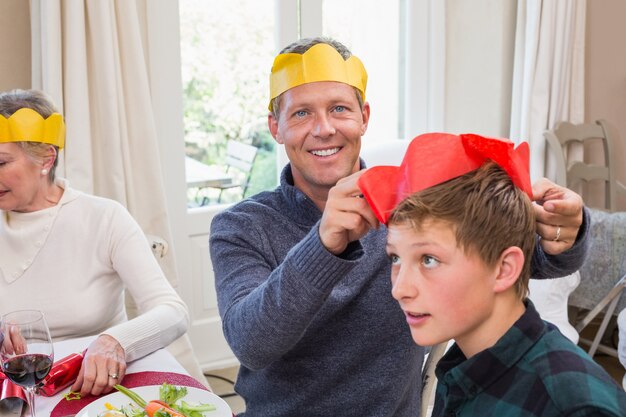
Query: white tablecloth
[(161, 360)]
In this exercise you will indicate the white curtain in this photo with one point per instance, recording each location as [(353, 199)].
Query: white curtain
[(548, 87), (91, 57), (548, 74)]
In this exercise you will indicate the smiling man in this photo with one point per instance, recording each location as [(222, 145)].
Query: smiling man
[(321, 125), (301, 273)]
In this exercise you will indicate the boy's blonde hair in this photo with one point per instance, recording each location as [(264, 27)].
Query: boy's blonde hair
[(486, 210)]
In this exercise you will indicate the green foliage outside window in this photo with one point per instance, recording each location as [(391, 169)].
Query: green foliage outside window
[(227, 51)]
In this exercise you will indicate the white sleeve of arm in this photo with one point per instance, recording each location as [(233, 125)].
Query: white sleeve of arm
[(163, 316)]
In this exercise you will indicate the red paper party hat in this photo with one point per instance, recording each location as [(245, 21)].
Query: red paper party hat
[(434, 158)]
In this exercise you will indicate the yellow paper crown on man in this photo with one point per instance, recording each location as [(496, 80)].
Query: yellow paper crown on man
[(26, 125), (321, 62)]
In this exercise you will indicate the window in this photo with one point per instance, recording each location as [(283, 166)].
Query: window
[(352, 22), (226, 47)]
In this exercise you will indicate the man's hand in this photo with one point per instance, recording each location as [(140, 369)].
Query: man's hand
[(559, 214), (347, 216), (104, 365)]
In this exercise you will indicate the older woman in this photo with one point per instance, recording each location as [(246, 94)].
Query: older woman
[(73, 255)]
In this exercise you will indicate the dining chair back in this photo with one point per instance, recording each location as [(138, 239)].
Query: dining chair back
[(590, 138), (241, 157), (594, 164)]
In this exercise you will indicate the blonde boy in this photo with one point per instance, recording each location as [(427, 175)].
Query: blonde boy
[(460, 248)]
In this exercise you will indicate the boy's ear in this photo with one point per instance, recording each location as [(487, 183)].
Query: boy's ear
[(510, 267)]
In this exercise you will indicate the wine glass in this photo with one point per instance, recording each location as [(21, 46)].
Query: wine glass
[(26, 353)]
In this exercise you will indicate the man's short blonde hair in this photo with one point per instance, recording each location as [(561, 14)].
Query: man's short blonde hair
[(300, 47)]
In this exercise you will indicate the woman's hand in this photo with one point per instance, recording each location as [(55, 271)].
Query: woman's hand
[(13, 343), (104, 366), (559, 214)]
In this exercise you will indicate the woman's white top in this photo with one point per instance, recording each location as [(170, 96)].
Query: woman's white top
[(74, 262)]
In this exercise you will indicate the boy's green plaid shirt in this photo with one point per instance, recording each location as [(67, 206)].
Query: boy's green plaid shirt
[(533, 370)]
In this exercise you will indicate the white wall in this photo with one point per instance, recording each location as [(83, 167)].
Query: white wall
[(480, 37), (605, 78), (15, 52)]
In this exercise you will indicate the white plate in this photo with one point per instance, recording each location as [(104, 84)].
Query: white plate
[(151, 392)]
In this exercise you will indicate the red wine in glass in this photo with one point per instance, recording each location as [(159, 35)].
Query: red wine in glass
[(26, 353), (28, 369)]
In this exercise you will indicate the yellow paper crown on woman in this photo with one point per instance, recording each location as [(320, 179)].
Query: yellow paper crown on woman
[(321, 62), (26, 125)]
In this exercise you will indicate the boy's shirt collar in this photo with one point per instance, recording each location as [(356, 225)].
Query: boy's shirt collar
[(472, 376)]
